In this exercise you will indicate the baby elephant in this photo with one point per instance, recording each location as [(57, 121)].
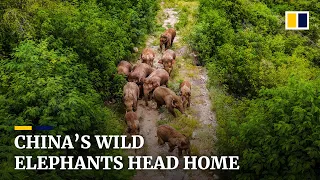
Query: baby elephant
[(174, 138), (130, 96), (147, 56), (132, 123), (167, 38), (168, 59), (165, 96), (157, 78), (185, 93), (124, 67)]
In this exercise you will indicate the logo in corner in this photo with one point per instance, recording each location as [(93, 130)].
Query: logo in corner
[(297, 20)]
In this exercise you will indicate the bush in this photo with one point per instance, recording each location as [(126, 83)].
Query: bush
[(101, 33), (58, 65), (44, 87), (279, 137), (264, 84)]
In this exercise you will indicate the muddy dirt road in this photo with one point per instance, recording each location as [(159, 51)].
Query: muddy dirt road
[(203, 136)]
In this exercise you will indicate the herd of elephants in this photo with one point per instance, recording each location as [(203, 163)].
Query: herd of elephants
[(152, 83)]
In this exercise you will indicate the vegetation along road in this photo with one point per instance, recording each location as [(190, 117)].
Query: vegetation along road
[(254, 85)]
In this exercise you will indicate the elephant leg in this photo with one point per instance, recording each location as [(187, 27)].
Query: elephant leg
[(188, 151), (160, 141), (169, 44), (161, 46), (168, 101), (158, 105), (179, 152), (171, 147), (189, 101), (171, 110), (141, 92), (135, 105), (146, 99), (128, 130)]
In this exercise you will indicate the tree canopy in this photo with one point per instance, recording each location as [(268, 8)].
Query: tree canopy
[(57, 67), (265, 80)]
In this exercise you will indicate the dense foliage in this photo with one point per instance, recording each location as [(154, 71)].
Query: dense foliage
[(57, 67), (101, 33), (268, 103)]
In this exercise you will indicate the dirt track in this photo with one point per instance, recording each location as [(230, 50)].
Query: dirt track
[(202, 137)]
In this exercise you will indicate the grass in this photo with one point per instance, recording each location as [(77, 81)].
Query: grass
[(161, 16), (182, 123), (194, 150), (189, 70), (174, 86), (155, 42), (185, 124)]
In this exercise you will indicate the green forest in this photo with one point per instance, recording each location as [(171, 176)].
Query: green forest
[(58, 67), (265, 85)]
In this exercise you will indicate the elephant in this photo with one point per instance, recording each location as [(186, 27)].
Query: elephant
[(168, 59), (167, 38), (147, 56), (124, 67), (165, 96), (139, 73), (157, 78), (174, 138), (130, 96), (185, 93), (132, 123)]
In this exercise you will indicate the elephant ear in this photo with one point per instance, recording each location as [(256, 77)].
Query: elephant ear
[(174, 103), (183, 98), (176, 141), (157, 84), (125, 97)]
